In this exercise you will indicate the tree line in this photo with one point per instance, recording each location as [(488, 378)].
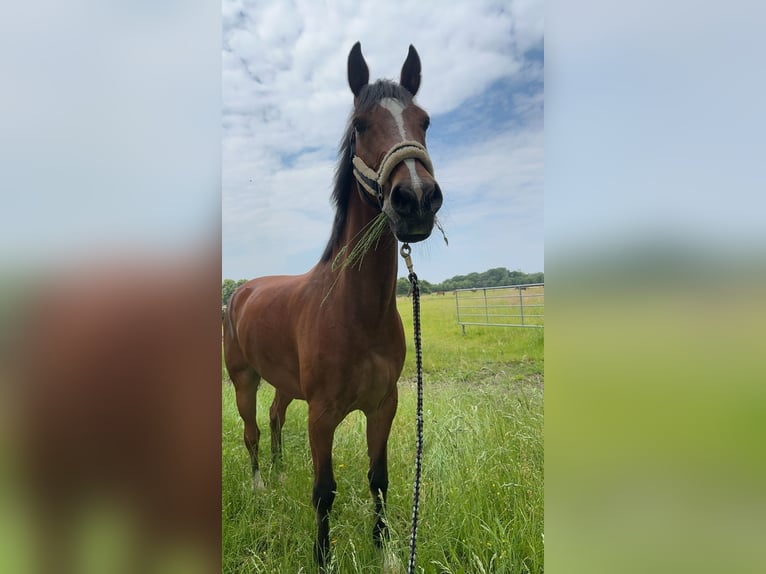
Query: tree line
[(497, 277)]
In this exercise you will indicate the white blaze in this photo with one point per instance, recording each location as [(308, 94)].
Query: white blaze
[(396, 109)]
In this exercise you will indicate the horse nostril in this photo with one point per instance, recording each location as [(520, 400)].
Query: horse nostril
[(406, 201), (434, 199), (403, 199)]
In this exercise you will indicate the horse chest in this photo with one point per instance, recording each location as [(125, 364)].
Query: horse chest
[(379, 369), (360, 377)]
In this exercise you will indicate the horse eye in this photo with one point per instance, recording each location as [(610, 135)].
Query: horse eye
[(360, 125)]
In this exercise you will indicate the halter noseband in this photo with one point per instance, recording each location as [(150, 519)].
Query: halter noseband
[(372, 181)]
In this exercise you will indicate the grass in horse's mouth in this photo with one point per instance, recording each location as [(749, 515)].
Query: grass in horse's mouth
[(370, 236), (440, 228)]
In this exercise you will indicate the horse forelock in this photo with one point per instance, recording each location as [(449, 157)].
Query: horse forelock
[(369, 96), (372, 94)]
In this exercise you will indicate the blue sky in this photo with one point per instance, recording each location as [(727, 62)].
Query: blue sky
[(286, 101)]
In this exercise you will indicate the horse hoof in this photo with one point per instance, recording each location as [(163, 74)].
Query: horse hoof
[(392, 564), (321, 556), (258, 482), (379, 534)]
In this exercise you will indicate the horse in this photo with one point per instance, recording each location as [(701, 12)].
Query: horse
[(333, 337)]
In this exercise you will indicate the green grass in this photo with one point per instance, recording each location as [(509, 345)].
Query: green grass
[(482, 492)]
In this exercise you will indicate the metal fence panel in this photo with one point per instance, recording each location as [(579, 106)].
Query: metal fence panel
[(506, 306)]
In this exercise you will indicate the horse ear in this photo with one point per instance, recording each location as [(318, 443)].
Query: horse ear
[(410, 78), (358, 72)]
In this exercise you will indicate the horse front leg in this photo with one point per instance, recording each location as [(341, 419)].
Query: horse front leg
[(322, 425), (378, 429)]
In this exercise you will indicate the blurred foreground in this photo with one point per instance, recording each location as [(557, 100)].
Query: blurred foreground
[(655, 412), (111, 419), (109, 287)]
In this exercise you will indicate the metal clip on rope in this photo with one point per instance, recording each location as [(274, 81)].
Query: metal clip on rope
[(405, 253)]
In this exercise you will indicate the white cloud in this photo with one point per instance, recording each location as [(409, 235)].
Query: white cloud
[(285, 94)]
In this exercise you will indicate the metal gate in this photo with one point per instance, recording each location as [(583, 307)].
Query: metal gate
[(507, 306)]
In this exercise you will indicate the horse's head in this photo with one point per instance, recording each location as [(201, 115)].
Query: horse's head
[(388, 137)]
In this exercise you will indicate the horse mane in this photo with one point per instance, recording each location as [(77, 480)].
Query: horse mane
[(369, 96)]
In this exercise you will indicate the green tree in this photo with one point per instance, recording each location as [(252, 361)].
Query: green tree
[(227, 289)]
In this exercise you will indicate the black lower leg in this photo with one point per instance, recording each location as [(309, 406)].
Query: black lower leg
[(322, 499), (276, 442), (379, 488), (277, 421)]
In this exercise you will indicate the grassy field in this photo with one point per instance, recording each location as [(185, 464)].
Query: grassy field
[(482, 494)]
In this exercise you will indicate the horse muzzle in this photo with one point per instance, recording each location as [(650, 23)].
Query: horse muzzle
[(412, 211)]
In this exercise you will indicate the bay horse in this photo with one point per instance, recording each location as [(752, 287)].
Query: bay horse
[(333, 337)]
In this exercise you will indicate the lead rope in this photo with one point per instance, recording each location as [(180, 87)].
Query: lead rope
[(405, 253)]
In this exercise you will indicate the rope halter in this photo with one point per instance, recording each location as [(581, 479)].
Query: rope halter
[(372, 181)]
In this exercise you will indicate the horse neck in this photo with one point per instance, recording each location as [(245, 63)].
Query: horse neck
[(369, 285)]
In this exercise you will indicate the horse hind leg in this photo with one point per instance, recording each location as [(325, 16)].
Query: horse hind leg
[(246, 384), (276, 422)]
